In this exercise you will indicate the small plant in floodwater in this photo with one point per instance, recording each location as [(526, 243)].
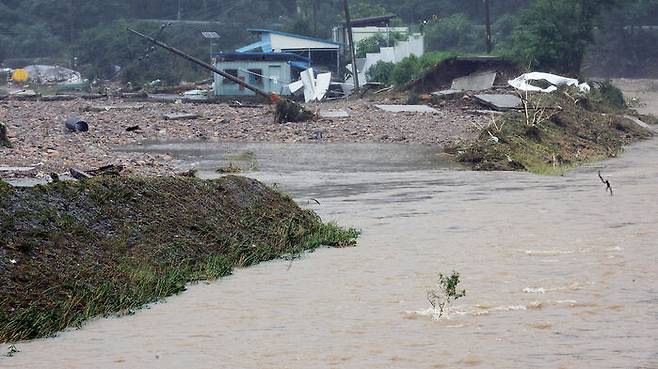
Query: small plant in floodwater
[(230, 169), (445, 292)]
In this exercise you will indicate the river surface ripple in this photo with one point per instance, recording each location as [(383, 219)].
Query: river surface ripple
[(558, 274)]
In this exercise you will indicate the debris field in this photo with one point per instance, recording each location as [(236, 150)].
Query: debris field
[(40, 138)]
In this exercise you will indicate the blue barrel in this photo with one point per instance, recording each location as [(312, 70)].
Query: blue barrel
[(76, 124)]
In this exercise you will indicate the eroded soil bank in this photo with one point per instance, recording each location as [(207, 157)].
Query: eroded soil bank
[(554, 132), (70, 251)]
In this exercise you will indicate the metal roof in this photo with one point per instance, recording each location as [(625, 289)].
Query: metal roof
[(258, 30), (256, 56), (371, 21)]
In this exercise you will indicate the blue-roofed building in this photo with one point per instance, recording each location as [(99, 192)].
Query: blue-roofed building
[(268, 70), (274, 61)]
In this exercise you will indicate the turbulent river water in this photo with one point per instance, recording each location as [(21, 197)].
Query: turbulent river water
[(558, 273)]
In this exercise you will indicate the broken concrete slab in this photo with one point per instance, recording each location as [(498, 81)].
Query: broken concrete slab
[(641, 123), (499, 102), (101, 108), (474, 82), (484, 112), (407, 108), (16, 169), (58, 98), (24, 94), (448, 93), (180, 116), (79, 174), (328, 114)]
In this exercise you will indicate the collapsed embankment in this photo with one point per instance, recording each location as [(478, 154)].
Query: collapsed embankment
[(554, 132), (70, 251)]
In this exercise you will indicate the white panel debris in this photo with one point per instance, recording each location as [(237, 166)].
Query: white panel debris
[(523, 82), (314, 89)]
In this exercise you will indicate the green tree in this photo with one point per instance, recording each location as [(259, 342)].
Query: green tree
[(456, 32), (375, 42), (365, 8), (552, 35), (381, 72)]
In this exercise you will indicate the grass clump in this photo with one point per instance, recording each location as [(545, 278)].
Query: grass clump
[(554, 132), (70, 251)]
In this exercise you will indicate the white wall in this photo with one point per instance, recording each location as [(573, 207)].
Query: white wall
[(415, 45)]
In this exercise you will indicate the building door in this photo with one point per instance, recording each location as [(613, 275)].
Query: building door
[(276, 84)]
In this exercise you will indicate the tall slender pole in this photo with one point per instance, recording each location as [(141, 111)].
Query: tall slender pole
[(315, 17), (348, 27), (487, 12), (211, 68)]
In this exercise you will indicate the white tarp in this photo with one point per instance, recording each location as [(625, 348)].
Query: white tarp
[(523, 82), (52, 74), (314, 89)]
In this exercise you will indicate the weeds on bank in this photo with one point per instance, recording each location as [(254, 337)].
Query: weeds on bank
[(554, 132), (111, 245)]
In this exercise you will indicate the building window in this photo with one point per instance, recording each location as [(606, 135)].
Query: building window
[(234, 73), (256, 77)]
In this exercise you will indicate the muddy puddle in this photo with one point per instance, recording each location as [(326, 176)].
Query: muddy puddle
[(558, 273)]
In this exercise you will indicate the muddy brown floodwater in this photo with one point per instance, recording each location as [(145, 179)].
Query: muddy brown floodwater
[(558, 273)]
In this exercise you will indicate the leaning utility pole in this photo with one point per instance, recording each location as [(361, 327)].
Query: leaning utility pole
[(487, 12), (315, 17), (348, 29)]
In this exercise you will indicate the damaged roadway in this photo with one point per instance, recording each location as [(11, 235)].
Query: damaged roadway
[(39, 137)]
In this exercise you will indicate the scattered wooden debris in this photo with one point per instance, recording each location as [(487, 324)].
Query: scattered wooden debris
[(407, 108), (134, 95), (328, 114), (229, 169), (238, 104), (484, 112), (4, 136), (16, 169), (103, 108), (79, 175), (448, 93), (58, 98), (640, 123), (499, 102), (181, 116), (111, 169), (137, 129), (608, 187), (192, 173)]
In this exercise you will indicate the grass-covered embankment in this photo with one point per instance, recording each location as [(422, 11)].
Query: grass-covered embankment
[(70, 251), (554, 132)]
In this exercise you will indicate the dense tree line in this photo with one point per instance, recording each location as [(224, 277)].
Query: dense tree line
[(544, 34)]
